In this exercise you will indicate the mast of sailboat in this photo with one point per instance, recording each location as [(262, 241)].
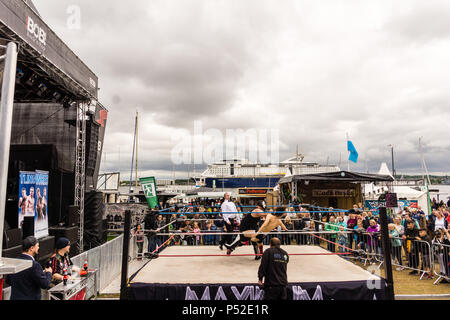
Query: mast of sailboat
[(424, 165), (132, 160), (137, 144)]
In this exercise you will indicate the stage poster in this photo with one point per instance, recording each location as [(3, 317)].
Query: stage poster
[(41, 217), (33, 200)]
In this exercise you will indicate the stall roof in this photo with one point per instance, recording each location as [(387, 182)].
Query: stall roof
[(342, 176)]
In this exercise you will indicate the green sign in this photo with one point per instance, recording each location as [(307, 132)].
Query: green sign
[(149, 188)]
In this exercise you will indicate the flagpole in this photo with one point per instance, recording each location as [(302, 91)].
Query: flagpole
[(348, 163)]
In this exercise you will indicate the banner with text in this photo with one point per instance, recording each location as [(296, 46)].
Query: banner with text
[(149, 188), (375, 204)]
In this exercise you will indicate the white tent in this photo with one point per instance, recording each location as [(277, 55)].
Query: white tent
[(384, 170)]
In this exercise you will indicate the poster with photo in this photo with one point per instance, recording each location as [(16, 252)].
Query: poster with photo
[(41, 217), (33, 200), (27, 196)]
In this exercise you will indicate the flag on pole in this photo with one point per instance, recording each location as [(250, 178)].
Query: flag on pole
[(353, 153), (149, 188)]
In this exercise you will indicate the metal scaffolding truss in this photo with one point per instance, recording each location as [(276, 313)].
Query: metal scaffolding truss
[(80, 168)]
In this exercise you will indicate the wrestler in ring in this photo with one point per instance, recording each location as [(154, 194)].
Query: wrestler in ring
[(249, 227)]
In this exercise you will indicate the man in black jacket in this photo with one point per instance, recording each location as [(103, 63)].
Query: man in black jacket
[(27, 285), (150, 227), (273, 270)]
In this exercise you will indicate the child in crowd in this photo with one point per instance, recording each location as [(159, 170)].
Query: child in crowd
[(196, 229), (359, 237), (372, 238), (351, 224), (424, 248), (342, 239), (139, 234)]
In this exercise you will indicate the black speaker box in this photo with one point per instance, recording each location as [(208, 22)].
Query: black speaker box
[(46, 249), (12, 253), (73, 217), (92, 132), (28, 227), (12, 238)]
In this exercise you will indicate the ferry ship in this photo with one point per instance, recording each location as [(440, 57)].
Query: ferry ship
[(233, 174)]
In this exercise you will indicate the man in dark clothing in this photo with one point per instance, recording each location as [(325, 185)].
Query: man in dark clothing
[(27, 285), (273, 270), (150, 229), (411, 237), (60, 260)]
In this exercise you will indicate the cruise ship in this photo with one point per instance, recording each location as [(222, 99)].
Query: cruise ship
[(232, 174)]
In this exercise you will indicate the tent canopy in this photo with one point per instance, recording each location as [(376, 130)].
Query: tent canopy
[(342, 176)]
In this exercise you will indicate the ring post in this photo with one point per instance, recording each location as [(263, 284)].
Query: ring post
[(125, 253), (387, 254)]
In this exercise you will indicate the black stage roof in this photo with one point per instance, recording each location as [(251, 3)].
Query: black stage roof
[(342, 176), (45, 63)]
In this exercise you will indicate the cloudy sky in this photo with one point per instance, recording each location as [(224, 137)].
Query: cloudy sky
[(312, 70)]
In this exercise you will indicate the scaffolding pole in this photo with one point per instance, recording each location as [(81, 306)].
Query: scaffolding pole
[(80, 169), (6, 114)]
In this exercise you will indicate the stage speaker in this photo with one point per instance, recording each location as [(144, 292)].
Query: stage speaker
[(12, 238), (12, 253), (391, 200), (92, 148), (46, 249), (28, 227), (73, 217)]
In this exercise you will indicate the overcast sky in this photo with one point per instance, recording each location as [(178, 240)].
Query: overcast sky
[(314, 70)]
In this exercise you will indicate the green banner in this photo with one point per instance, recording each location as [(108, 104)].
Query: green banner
[(149, 188)]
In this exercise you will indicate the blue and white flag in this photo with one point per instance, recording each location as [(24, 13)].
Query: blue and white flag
[(353, 153)]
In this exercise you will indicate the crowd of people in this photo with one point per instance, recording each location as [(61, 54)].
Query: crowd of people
[(412, 233)]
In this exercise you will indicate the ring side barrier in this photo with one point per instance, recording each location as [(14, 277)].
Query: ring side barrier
[(441, 255), (107, 260), (414, 255)]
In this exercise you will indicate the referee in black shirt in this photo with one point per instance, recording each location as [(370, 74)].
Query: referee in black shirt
[(273, 270)]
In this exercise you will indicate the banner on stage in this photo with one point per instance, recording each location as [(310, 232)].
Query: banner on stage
[(375, 204), (149, 188), (27, 202), (41, 217), (33, 200)]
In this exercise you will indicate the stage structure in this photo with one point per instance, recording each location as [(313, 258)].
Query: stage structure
[(58, 124)]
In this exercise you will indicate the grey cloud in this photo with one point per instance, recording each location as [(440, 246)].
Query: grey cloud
[(425, 21), (294, 66)]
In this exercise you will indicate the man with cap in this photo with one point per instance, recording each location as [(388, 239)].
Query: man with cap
[(60, 260), (27, 285), (249, 227)]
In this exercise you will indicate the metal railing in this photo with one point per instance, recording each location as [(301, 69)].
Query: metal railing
[(441, 259), (107, 260)]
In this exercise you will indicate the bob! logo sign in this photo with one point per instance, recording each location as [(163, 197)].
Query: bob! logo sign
[(36, 32)]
